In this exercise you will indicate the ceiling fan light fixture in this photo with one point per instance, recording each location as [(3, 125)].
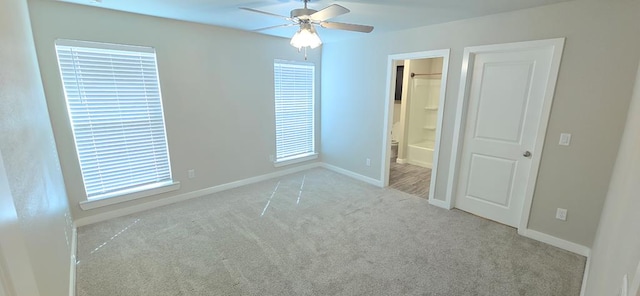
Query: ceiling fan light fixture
[(306, 37)]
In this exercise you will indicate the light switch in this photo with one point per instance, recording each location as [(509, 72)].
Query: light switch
[(565, 139)]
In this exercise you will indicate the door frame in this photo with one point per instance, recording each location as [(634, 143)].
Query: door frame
[(557, 46), (388, 118)]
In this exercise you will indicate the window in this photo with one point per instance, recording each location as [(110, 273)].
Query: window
[(114, 103), (294, 99)]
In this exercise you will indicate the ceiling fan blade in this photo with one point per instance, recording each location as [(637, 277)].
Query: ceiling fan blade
[(264, 12), (328, 12), (273, 27), (348, 27)]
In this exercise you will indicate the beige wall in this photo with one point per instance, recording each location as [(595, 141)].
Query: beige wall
[(29, 155), (593, 91), (217, 88), (616, 250)]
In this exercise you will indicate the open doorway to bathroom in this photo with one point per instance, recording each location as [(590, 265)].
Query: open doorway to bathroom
[(417, 85)]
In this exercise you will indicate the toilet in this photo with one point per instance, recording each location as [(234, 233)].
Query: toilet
[(395, 130), (394, 150)]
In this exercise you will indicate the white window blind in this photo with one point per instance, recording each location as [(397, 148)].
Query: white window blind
[(294, 99), (115, 107)]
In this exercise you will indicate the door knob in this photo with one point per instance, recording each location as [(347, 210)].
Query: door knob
[(526, 154)]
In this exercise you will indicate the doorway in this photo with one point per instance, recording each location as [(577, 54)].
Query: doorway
[(416, 92)]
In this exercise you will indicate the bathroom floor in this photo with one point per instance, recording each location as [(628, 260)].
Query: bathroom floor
[(410, 178)]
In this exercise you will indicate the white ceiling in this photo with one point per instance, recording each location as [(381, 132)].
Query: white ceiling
[(384, 15)]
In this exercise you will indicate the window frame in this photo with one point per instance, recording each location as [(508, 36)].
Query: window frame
[(138, 190), (306, 156)]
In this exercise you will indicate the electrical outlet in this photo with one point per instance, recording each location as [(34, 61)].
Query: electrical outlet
[(561, 214), (368, 161), (191, 173)]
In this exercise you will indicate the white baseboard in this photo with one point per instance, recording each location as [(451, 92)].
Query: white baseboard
[(420, 163), (351, 174), (73, 261), (565, 245), (190, 195), (556, 242), (401, 160), (585, 277)]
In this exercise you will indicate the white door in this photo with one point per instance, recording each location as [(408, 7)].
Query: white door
[(505, 102)]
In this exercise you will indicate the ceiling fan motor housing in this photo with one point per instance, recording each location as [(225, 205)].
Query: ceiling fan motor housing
[(302, 13)]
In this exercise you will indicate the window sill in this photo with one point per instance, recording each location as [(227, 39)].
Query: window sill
[(297, 159), (114, 199)]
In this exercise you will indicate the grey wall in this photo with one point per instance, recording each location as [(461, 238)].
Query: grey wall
[(616, 250), (217, 88), (593, 92), (29, 154)]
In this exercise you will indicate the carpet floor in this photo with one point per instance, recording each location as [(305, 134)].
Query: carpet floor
[(316, 233)]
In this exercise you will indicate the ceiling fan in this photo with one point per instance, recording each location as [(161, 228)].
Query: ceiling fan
[(308, 18)]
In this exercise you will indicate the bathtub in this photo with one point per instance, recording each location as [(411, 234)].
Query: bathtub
[(420, 154)]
